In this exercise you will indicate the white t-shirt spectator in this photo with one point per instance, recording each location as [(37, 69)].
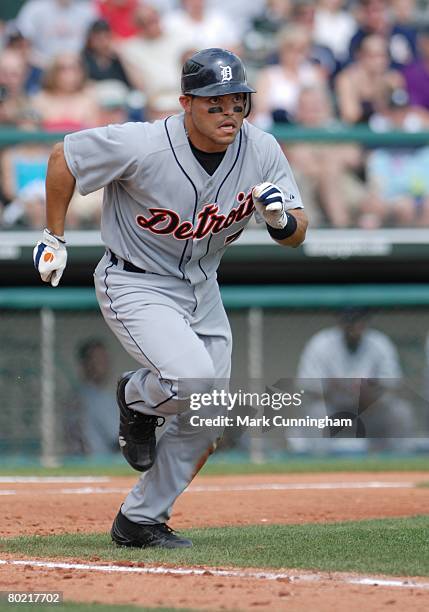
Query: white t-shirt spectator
[(334, 30), (239, 12), (328, 369), (277, 90), (55, 26), (157, 62), (326, 356), (215, 29)]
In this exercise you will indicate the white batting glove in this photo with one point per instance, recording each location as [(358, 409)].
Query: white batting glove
[(50, 258), (269, 201)]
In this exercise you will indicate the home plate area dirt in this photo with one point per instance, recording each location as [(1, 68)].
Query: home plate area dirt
[(54, 506)]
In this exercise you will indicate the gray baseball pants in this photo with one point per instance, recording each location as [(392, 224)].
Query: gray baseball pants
[(176, 332)]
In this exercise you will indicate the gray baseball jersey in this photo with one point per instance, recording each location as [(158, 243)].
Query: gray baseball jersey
[(162, 211), (165, 214)]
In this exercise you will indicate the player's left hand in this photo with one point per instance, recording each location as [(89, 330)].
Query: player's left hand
[(269, 201), (50, 258)]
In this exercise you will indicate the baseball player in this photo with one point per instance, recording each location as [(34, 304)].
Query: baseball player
[(177, 193)]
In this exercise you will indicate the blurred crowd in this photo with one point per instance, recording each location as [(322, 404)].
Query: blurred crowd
[(72, 64)]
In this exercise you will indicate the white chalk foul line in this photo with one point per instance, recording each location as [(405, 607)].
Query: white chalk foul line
[(304, 486), (301, 486), (197, 571), (53, 479), (72, 491), (151, 569), (386, 582)]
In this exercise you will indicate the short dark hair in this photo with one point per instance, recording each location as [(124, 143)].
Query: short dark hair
[(85, 348), (352, 314), (99, 25)]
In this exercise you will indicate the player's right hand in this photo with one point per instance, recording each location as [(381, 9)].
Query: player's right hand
[(50, 258)]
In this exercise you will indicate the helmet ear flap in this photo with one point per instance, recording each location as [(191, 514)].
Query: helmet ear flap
[(247, 105)]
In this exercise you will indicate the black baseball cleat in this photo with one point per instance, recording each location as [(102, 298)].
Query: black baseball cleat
[(137, 438), (159, 535)]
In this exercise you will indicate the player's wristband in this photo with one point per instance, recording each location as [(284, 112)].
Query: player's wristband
[(59, 238), (286, 231)]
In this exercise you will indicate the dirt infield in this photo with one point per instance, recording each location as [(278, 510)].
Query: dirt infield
[(53, 507)]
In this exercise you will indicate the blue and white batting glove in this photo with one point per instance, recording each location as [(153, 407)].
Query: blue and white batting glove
[(50, 257), (269, 201)]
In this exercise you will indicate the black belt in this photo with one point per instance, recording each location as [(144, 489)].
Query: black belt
[(128, 266)]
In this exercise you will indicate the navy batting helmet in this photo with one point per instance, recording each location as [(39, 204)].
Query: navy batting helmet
[(215, 72)]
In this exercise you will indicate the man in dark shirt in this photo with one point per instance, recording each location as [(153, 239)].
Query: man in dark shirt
[(401, 37)]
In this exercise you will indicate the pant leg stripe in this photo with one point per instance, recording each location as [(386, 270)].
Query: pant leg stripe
[(129, 333)]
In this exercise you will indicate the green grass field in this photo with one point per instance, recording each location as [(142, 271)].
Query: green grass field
[(219, 466), (388, 546)]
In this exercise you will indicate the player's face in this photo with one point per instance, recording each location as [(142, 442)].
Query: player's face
[(353, 332), (213, 123)]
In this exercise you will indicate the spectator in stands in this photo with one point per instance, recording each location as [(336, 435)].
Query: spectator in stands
[(404, 12), (27, 211), (55, 26), (353, 368), (398, 178), (361, 86), (202, 27), (21, 165), (397, 112), (279, 86), (327, 174), (85, 210), (259, 40), (99, 55), (334, 27), (404, 31), (160, 107), (417, 73), (152, 58), (303, 14), (15, 41), (119, 14), (23, 172), (91, 414), (66, 102), (112, 97), (15, 105), (240, 12), (401, 37)]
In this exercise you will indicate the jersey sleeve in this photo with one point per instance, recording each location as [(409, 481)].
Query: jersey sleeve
[(99, 156), (312, 363), (276, 169), (388, 364)]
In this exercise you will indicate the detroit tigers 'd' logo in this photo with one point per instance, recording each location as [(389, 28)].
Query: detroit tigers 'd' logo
[(164, 221), (225, 73)]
